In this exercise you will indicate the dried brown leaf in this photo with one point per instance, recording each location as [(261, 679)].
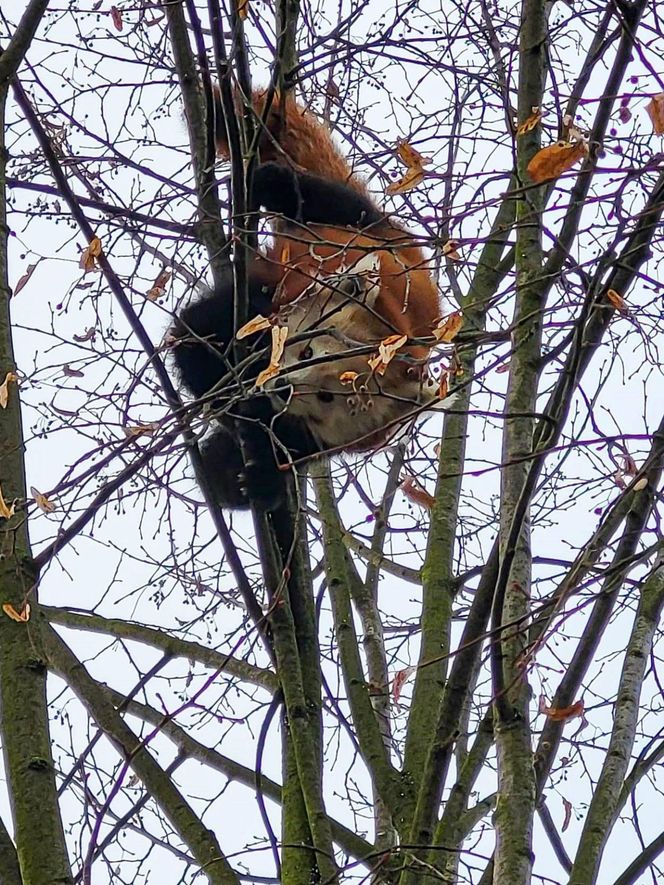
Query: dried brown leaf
[(448, 328), (562, 714), (451, 250), (400, 679), (387, 350), (415, 493), (6, 510), (552, 161), (4, 388), (530, 122), (616, 300), (42, 501), (21, 617), (257, 324), (655, 109), (116, 15), (410, 180), (410, 157), (89, 254), (26, 276), (88, 335)]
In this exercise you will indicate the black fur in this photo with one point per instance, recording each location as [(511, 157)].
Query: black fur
[(203, 355), (310, 199)]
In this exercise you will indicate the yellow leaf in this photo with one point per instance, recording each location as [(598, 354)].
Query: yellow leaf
[(256, 325), (22, 617), (6, 512), (243, 9), (555, 159), (530, 122), (42, 501), (655, 108), (348, 377), (411, 179), (4, 389), (409, 156), (448, 328)]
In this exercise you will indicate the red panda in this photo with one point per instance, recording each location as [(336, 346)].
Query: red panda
[(339, 276)]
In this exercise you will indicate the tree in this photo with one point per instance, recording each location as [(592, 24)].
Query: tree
[(445, 666)]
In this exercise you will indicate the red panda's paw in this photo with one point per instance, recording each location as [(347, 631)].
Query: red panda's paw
[(262, 484)]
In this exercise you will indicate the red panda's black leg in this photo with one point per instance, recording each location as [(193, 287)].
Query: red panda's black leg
[(309, 199), (237, 473)]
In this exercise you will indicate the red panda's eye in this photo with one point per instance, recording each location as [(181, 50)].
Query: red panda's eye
[(307, 353)]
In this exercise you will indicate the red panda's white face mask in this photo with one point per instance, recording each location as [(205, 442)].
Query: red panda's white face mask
[(325, 376)]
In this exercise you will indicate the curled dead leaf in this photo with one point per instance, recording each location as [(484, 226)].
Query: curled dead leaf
[(387, 350), (567, 805), (6, 511), (88, 335), (552, 161), (42, 501), (616, 300), (71, 373), (561, 714), (159, 286), (415, 493), (21, 617), (267, 374), (655, 109), (90, 254), (135, 430), (448, 327), (348, 377), (409, 156), (24, 279), (116, 15), (4, 388), (410, 180), (279, 336), (530, 122), (451, 250), (257, 324), (399, 681), (243, 9)]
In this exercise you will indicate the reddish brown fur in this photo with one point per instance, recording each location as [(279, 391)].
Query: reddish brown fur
[(408, 300)]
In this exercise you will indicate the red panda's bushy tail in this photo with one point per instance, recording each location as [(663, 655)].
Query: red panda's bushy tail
[(292, 135)]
